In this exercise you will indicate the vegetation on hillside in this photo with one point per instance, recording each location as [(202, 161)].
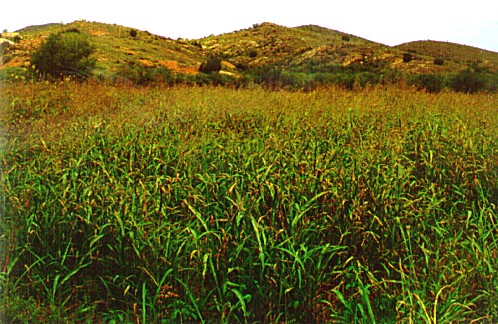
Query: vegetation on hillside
[(468, 81), (453, 52), (304, 57), (64, 54), (115, 47)]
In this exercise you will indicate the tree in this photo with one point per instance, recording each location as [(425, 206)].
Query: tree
[(432, 83), (63, 54), (407, 57), (213, 64), (136, 72), (468, 81), (439, 61)]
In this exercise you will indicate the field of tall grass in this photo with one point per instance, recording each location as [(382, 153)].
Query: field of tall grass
[(141, 205)]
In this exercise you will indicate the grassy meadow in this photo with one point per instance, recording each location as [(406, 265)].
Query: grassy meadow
[(202, 204)]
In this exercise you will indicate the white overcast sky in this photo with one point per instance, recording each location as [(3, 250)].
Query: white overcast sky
[(390, 22)]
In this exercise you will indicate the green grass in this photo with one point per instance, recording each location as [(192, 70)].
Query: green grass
[(214, 205)]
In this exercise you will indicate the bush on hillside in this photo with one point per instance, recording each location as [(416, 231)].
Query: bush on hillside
[(407, 57), (213, 64), (438, 61), (133, 33), (431, 83), (164, 75), (468, 81), (64, 54), (242, 66), (492, 82), (366, 78), (268, 75), (136, 72), (72, 30)]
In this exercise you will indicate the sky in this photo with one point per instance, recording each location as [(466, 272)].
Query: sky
[(390, 22)]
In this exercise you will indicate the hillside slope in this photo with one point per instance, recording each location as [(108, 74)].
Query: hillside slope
[(303, 49), (314, 47), (269, 43), (115, 46), (457, 53)]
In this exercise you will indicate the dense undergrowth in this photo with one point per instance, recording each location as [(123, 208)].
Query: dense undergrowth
[(209, 204), (277, 77)]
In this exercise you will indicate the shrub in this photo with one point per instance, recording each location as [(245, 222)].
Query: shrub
[(468, 81), (4, 48), (407, 57), (213, 64), (165, 75), (492, 82), (64, 54), (390, 76), (136, 72), (269, 75), (474, 66), (133, 33), (438, 61), (242, 66), (72, 30), (432, 83), (346, 38), (196, 43), (364, 78), (345, 80)]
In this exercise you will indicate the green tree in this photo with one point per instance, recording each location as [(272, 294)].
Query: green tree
[(468, 81), (136, 72), (63, 54), (439, 61), (213, 64), (432, 83), (407, 57)]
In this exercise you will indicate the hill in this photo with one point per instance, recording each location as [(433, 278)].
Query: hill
[(308, 53), (457, 53), (313, 47), (115, 46), (269, 43)]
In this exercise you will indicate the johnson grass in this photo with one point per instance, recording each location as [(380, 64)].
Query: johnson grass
[(216, 205)]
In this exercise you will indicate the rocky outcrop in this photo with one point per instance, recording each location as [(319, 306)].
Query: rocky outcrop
[(11, 36), (5, 42)]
